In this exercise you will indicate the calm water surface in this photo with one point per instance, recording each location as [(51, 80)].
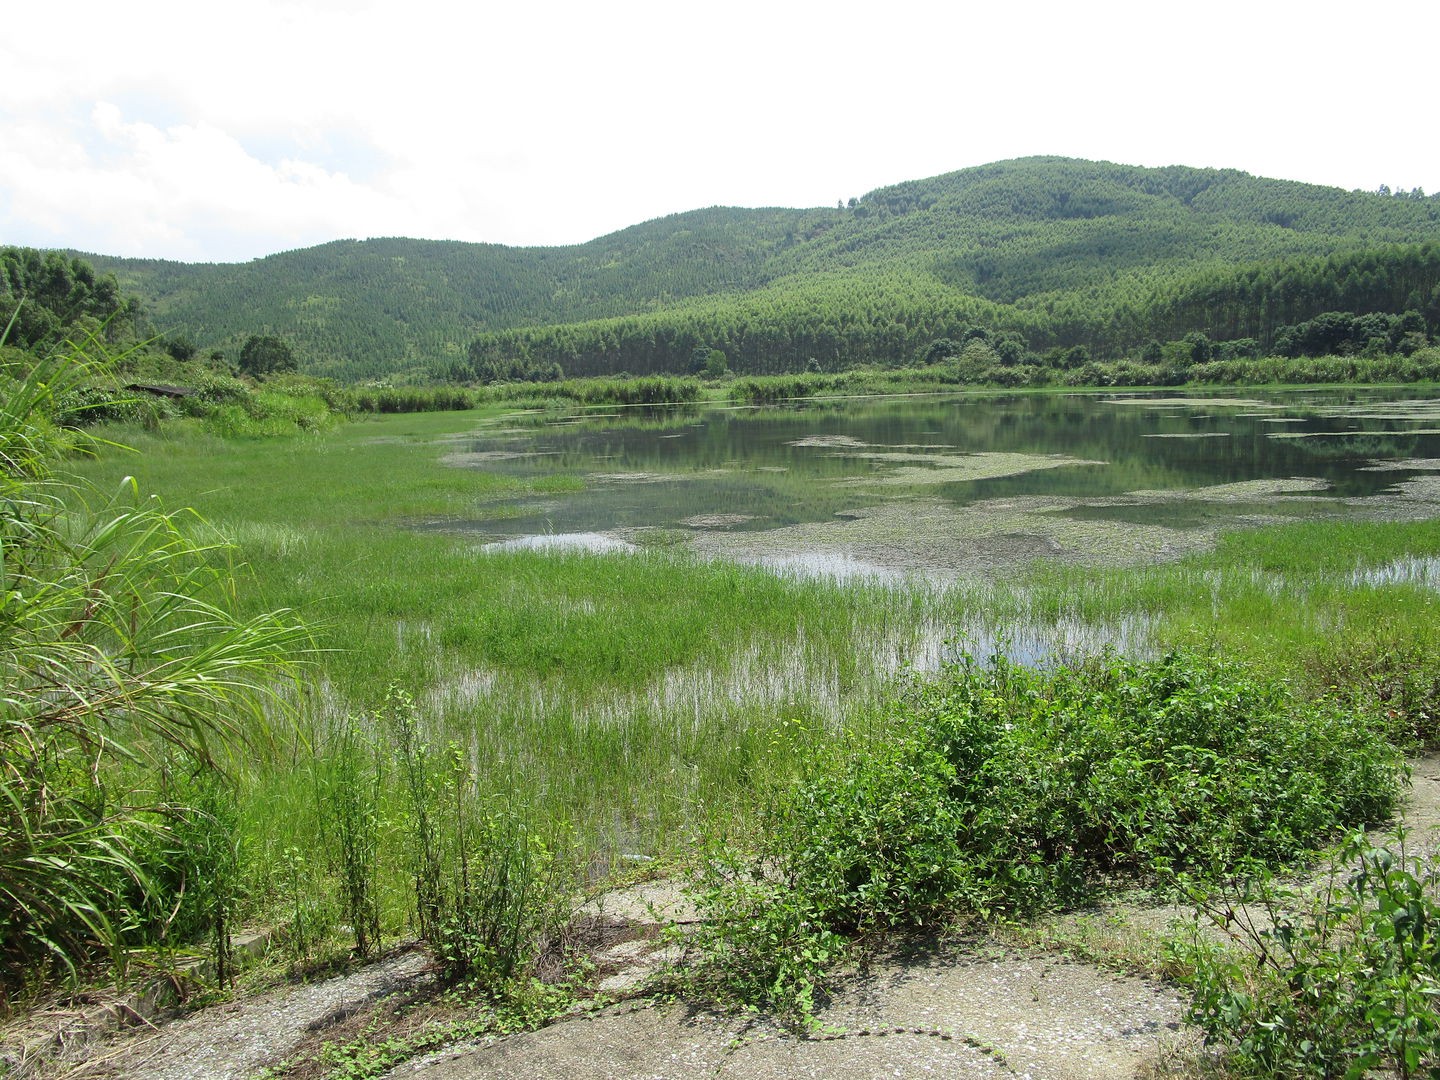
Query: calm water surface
[(960, 483)]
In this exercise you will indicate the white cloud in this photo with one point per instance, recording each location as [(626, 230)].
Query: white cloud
[(131, 187), (206, 131)]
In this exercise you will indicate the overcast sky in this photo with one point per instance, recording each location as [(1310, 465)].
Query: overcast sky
[(204, 131)]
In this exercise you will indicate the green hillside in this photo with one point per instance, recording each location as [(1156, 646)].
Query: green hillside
[(374, 307), (1063, 253)]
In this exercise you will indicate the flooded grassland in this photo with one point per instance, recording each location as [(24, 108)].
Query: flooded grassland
[(629, 620)]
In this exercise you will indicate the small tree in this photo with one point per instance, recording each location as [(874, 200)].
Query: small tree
[(180, 348), (938, 350), (263, 354)]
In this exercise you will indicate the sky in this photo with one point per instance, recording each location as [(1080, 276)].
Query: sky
[(213, 131)]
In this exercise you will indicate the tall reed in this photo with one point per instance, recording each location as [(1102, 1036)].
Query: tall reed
[(119, 652)]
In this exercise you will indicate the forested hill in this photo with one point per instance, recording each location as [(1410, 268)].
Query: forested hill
[(365, 308), (1060, 253)]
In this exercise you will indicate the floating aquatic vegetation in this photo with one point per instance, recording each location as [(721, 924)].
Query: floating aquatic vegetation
[(827, 441), (1239, 491), (717, 521), (1186, 435), (1421, 490), (632, 478), (1414, 409), (464, 459), (1190, 402), (918, 535), (1406, 465), (1349, 434), (958, 468)]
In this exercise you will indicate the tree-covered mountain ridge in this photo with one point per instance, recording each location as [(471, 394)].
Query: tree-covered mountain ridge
[(1062, 252)]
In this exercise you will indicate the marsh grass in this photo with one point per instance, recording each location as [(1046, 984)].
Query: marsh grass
[(643, 699), (1307, 602), (635, 697)]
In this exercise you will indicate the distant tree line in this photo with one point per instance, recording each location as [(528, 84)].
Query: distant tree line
[(1343, 333), (43, 295), (1391, 295)]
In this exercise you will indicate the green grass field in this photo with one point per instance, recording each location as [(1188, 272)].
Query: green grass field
[(642, 699)]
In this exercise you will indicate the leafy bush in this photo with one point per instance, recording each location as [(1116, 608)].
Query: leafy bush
[(1344, 983), (268, 412), (213, 388), (1002, 788), (868, 840), (509, 894), (1067, 775), (87, 405), (307, 412)]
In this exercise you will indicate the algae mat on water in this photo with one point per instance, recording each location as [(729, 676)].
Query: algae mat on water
[(929, 534), (966, 485)]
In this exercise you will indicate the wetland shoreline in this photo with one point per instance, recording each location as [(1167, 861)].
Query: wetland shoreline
[(621, 706)]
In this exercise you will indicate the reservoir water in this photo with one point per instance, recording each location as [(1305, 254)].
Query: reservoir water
[(959, 485)]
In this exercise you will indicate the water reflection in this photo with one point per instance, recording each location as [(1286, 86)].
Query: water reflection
[(1039, 644), (885, 489), (835, 566), (1420, 571)]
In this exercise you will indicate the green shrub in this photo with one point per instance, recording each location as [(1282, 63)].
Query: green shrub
[(491, 895), (999, 788), (213, 388), (869, 840), (1345, 983), (267, 412), (1065, 776), (84, 406), (509, 895), (350, 783)]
